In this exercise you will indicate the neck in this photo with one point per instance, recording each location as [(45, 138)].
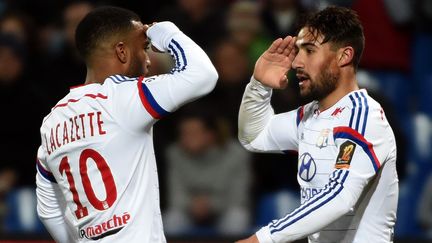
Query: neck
[(98, 73), (347, 84)]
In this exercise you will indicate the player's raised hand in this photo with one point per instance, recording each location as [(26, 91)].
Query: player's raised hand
[(272, 66), (146, 27)]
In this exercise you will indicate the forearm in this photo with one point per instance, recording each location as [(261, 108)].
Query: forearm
[(255, 111), (193, 74), (335, 200), (49, 210)]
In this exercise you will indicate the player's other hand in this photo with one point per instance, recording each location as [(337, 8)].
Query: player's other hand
[(252, 239), (272, 66)]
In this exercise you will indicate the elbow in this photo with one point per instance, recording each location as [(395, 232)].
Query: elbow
[(245, 143), (210, 77)]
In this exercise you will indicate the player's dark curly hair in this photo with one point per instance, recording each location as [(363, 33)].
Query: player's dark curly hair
[(101, 24), (340, 26)]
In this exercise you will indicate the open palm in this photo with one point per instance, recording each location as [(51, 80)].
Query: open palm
[(275, 62)]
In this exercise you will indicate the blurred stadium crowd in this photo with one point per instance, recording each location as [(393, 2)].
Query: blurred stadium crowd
[(209, 184)]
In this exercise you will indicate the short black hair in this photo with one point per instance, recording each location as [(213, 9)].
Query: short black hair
[(340, 26), (101, 24)]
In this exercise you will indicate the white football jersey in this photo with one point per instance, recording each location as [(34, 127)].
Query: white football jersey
[(97, 145), (346, 167)]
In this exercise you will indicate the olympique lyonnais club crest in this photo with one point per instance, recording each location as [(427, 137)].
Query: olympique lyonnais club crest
[(344, 157), (322, 140)]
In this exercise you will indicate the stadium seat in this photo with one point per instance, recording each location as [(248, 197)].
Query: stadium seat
[(422, 71)]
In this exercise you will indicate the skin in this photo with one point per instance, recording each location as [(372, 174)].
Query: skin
[(124, 54), (325, 70)]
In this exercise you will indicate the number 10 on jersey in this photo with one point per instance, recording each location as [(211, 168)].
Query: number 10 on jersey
[(107, 178)]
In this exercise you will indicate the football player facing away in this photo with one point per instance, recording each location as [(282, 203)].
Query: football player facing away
[(97, 177)]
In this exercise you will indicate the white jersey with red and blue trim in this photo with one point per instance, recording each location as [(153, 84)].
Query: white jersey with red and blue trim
[(346, 166), (96, 166)]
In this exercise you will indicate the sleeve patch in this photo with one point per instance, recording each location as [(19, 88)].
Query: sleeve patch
[(346, 152)]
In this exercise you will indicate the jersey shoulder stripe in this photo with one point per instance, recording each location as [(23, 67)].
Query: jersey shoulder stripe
[(359, 111), (44, 172), (353, 135), (366, 113), (121, 79), (328, 193), (150, 104)]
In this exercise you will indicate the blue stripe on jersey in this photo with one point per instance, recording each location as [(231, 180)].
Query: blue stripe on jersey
[(180, 59), (307, 206), (176, 57), (352, 110), (366, 113), (44, 173), (153, 103), (115, 79), (307, 203), (120, 79), (359, 113), (182, 53)]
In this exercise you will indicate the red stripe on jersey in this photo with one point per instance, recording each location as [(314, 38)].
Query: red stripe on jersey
[(93, 96), (144, 100), (300, 114)]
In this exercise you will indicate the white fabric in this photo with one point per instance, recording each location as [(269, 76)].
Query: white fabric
[(345, 202), (103, 132)]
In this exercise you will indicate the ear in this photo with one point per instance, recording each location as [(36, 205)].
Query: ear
[(346, 56), (121, 52)]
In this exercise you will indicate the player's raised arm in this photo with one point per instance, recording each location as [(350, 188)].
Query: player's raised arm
[(256, 112), (193, 74)]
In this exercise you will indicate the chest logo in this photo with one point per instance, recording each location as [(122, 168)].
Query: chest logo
[(307, 168), (322, 140)]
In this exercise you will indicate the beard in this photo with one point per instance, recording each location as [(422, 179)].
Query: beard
[(136, 68), (320, 87)]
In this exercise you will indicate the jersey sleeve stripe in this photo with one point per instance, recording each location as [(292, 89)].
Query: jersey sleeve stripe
[(182, 54), (150, 104), (300, 114), (329, 193), (366, 113), (176, 57), (359, 113), (352, 110), (44, 172), (353, 135), (277, 223), (179, 55)]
